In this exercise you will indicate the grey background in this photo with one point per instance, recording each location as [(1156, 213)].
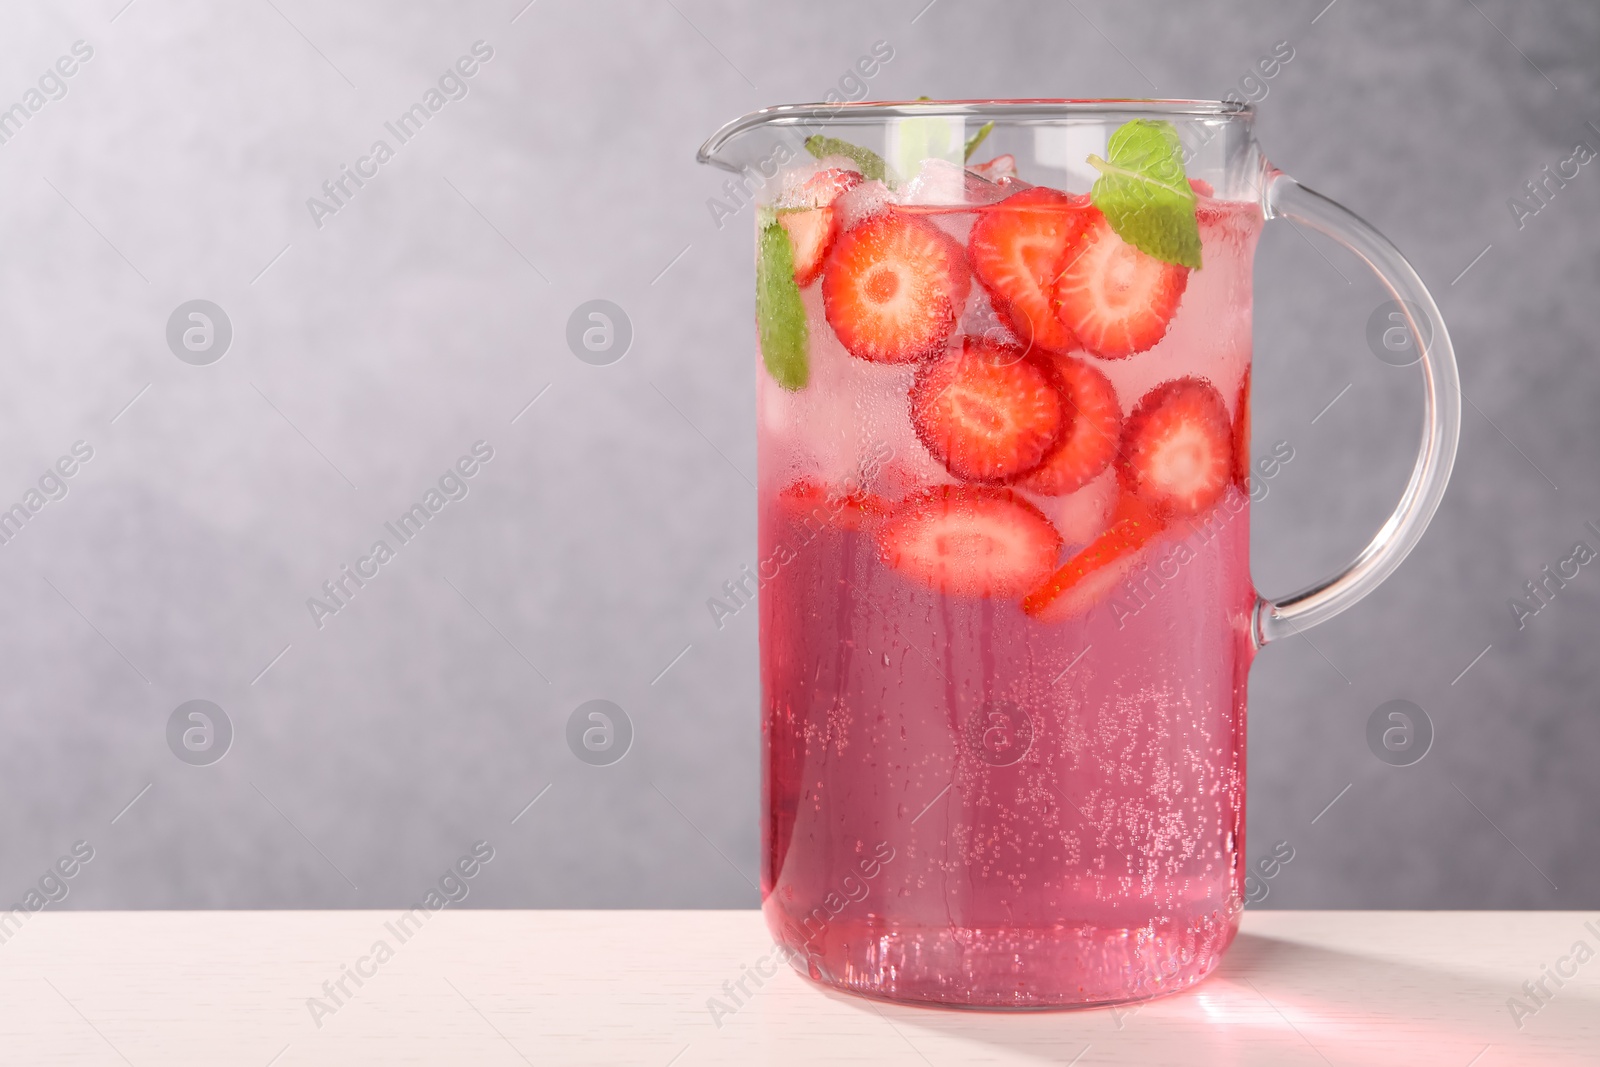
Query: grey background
[(426, 314)]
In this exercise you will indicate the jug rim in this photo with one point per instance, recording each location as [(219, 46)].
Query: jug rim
[(1023, 111)]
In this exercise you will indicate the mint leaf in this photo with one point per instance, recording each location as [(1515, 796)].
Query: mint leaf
[(915, 139), (780, 314), (871, 164), (977, 139), (1144, 193)]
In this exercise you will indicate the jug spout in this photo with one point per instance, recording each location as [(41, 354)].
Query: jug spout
[(763, 141)]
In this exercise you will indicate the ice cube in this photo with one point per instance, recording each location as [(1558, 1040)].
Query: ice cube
[(942, 183), (981, 190), (792, 181), (981, 320), (1082, 515), (938, 182), (1001, 169), (863, 202)]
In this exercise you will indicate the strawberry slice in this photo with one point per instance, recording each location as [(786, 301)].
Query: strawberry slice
[(811, 232), (1000, 169), (970, 540), (813, 227), (853, 511), (1176, 453), (826, 186), (893, 287), (1090, 442), (988, 412), (1085, 579), (1241, 435), (1018, 247), (1116, 299)]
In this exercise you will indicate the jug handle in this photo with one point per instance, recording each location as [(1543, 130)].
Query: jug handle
[(1441, 422)]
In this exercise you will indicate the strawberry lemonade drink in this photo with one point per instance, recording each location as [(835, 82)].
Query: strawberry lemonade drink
[(1005, 595), (1004, 485)]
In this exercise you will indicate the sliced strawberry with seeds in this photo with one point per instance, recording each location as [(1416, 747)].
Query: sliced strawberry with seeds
[(813, 227), (1241, 435), (1176, 452), (893, 287), (811, 233), (1090, 442), (842, 510), (970, 540), (1018, 247), (1085, 579), (988, 412), (1116, 299)]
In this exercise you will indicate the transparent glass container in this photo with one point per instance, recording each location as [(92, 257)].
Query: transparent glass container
[(1004, 482)]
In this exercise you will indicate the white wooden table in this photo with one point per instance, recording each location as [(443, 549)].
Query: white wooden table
[(488, 987)]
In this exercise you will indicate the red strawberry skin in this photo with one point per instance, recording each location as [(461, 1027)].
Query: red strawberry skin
[(1177, 453), (1085, 579), (893, 288), (1116, 299), (813, 227), (826, 186), (988, 412), (1090, 441), (807, 499), (1000, 170), (811, 234), (1241, 435), (1017, 248), (970, 541)]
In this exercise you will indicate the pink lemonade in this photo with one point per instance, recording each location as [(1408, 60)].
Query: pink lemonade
[(1006, 611)]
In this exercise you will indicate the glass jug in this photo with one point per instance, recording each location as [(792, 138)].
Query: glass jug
[(1006, 614)]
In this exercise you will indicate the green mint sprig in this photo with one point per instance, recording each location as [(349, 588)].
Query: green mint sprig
[(977, 139), (870, 163), (1145, 195), (780, 313)]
